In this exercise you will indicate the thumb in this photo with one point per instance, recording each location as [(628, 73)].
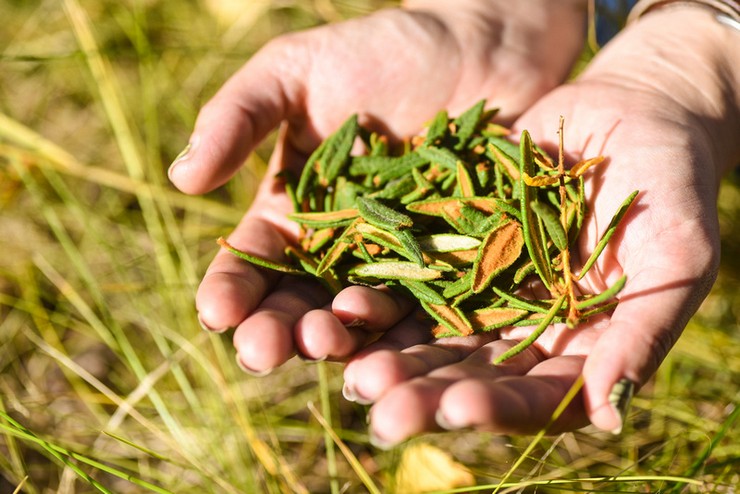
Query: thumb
[(656, 305), (247, 107)]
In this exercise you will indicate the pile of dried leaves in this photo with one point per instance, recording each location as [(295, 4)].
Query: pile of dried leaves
[(458, 219)]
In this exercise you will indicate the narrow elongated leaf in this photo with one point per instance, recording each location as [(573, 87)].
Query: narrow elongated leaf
[(318, 239), (309, 177), (459, 286), (552, 223), (499, 250), (466, 124), (494, 318), (380, 215), (384, 238), (395, 189), (395, 270), (325, 219), (346, 193), (519, 302), (442, 156), (423, 188), (411, 246), (338, 248), (336, 153), (506, 162), (438, 127), (310, 264), (610, 230), (472, 221), (424, 292), (530, 223), (407, 163), (456, 258), (541, 180), (389, 166), (448, 242), (449, 317), (580, 168), (260, 261), (451, 206), (604, 296), (526, 343), (465, 183)]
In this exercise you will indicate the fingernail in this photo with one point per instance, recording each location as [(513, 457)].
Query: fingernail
[(206, 327), (184, 154), (355, 323), (379, 442), (312, 360), (444, 423), (350, 394), (249, 371), (619, 399)]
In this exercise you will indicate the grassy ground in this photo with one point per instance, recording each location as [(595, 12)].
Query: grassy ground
[(106, 381)]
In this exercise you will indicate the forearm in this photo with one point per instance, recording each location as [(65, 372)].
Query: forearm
[(692, 61)]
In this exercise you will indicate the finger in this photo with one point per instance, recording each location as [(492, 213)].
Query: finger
[(320, 335), (355, 312), (376, 368), (265, 91), (515, 405), (373, 309), (654, 309), (232, 288), (411, 407), (264, 340), (372, 375)]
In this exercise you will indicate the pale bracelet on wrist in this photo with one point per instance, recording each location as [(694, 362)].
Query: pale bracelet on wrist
[(728, 11)]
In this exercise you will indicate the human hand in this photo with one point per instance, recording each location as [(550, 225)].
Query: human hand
[(668, 138), (396, 69)]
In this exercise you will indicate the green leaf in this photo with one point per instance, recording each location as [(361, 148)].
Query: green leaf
[(382, 216), (260, 261), (395, 270), (527, 342), (442, 156), (610, 230), (438, 127), (467, 123), (336, 152), (551, 221), (530, 223)]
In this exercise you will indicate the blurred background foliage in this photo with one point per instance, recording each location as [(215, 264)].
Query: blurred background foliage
[(106, 381)]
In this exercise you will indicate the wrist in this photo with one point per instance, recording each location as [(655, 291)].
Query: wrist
[(696, 72)]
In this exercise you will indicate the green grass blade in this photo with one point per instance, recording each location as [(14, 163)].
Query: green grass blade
[(365, 478)]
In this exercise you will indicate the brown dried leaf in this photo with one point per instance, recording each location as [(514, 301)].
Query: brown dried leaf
[(580, 168), (541, 180), (450, 317), (499, 250), (493, 318)]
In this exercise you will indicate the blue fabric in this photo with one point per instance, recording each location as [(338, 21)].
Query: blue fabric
[(610, 17)]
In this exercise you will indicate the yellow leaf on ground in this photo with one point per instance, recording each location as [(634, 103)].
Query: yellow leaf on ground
[(425, 468)]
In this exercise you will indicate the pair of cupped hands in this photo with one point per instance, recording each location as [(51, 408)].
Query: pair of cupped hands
[(652, 101)]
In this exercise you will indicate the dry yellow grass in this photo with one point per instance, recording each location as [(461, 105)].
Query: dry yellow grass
[(113, 385)]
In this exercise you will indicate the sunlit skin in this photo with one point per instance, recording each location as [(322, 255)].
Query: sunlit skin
[(660, 102)]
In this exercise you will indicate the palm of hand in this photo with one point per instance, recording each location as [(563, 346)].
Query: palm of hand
[(667, 246), (325, 75)]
